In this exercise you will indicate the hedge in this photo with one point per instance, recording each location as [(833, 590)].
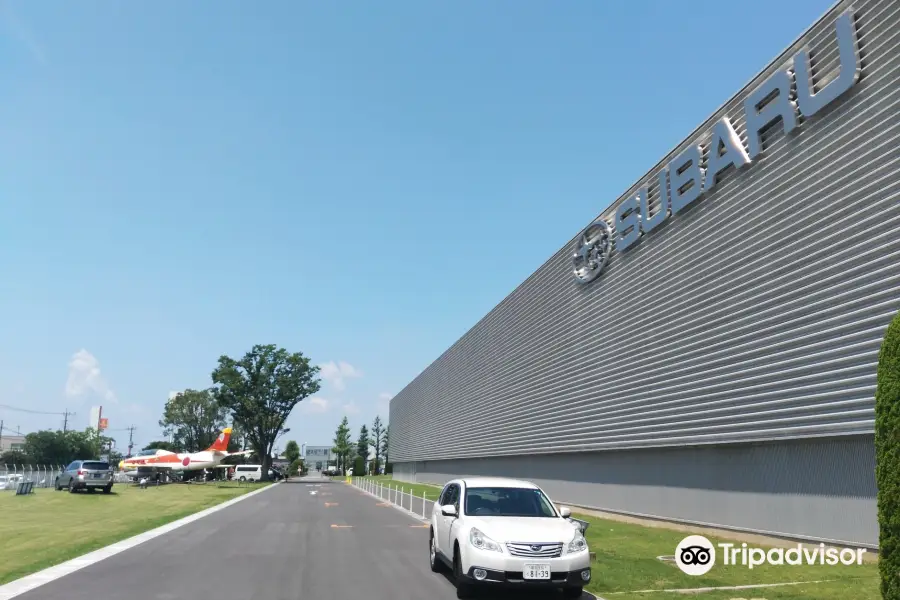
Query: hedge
[(359, 466), (887, 460)]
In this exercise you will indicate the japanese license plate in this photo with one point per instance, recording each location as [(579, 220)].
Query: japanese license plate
[(541, 571)]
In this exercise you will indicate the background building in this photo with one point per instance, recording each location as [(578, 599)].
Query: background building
[(318, 457), (721, 370), (9, 441)]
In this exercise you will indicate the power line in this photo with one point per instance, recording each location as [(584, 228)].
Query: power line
[(33, 412)]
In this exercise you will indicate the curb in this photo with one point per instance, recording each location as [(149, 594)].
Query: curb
[(29, 582)]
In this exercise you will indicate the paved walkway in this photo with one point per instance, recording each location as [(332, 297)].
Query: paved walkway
[(283, 544)]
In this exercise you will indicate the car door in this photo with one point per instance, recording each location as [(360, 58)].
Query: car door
[(437, 518), (66, 475), (447, 533)]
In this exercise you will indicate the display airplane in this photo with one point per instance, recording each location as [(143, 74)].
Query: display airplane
[(164, 460)]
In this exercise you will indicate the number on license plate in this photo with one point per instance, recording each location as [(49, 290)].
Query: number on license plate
[(536, 572)]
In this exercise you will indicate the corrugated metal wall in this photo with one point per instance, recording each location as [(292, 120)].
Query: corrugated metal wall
[(755, 314), (816, 489)]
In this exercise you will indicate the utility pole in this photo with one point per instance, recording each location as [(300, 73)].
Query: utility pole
[(66, 420), (1, 435), (130, 439)]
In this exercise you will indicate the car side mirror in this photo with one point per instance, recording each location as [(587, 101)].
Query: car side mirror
[(448, 510), (565, 512)]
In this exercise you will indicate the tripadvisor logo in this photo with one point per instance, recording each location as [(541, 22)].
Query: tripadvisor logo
[(696, 555)]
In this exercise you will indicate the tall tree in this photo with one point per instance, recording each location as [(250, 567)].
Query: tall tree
[(342, 444), (194, 419), (162, 445), (377, 437), (362, 444), (261, 389), (60, 448), (384, 443), (291, 451)]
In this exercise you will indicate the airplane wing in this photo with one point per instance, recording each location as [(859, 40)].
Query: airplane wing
[(159, 466), (241, 453)]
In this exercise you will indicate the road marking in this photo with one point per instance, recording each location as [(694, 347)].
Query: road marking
[(420, 526), (383, 504), (327, 504), (30, 582), (341, 526)]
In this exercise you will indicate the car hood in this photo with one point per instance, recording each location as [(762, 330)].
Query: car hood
[(525, 529)]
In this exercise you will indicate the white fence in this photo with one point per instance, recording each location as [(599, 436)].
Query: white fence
[(43, 476), (398, 495)]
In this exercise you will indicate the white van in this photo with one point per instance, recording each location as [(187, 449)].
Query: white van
[(248, 472)]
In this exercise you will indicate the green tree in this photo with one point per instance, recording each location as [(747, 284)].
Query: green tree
[(292, 451), (384, 445), (261, 389), (162, 445), (60, 448), (359, 465), (377, 438), (15, 457), (194, 419), (887, 465), (362, 444), (343, 447)]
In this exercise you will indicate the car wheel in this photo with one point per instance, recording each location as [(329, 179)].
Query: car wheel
[(243, 478), (71, 486), (463, 589), (433, 557), (57, 486), (572, 592), (107, 489)]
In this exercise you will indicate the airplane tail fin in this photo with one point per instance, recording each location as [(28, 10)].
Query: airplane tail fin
[(221, 443)]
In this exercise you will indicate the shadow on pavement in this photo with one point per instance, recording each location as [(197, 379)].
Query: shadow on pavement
[(498, 593)]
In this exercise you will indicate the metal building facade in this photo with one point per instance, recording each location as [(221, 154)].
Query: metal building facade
[(720, 370)]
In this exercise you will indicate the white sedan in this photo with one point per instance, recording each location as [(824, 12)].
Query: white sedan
[(494, 531)]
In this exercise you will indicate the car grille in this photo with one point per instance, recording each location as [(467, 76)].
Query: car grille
[(534, 550)]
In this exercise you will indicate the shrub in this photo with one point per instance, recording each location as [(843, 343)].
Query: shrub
[(296, 468), (359, 466), (389, 468), (887, 460)]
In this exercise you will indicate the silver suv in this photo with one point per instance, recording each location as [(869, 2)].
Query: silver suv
[(86, 475)]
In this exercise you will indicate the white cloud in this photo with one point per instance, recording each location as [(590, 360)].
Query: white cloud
[(316, 404), (85, 378), (336, 373), (351, 409)]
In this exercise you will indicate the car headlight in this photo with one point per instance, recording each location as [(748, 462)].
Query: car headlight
[(483, 542), (578, 544)]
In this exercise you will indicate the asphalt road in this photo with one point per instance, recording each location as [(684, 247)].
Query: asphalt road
[(283, 544)]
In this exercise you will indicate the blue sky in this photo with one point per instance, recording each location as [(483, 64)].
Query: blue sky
[(358, 181)]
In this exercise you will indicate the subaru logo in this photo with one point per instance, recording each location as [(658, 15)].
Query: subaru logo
[(535, 548)]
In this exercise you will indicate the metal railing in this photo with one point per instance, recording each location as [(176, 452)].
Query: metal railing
[(42, 476), (418, 505), (398, 496)]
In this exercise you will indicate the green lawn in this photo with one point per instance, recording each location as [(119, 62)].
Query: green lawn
[(626, 562), (50, 527)]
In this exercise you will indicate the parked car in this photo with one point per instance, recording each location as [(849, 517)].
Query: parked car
[(248, 472), (505, 532), (9, 482), (87, 475)]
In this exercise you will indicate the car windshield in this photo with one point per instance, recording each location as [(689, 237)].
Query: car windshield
[(507, 502), (95, 466)]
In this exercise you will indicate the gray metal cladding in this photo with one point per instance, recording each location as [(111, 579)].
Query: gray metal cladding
[(755, 314)]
